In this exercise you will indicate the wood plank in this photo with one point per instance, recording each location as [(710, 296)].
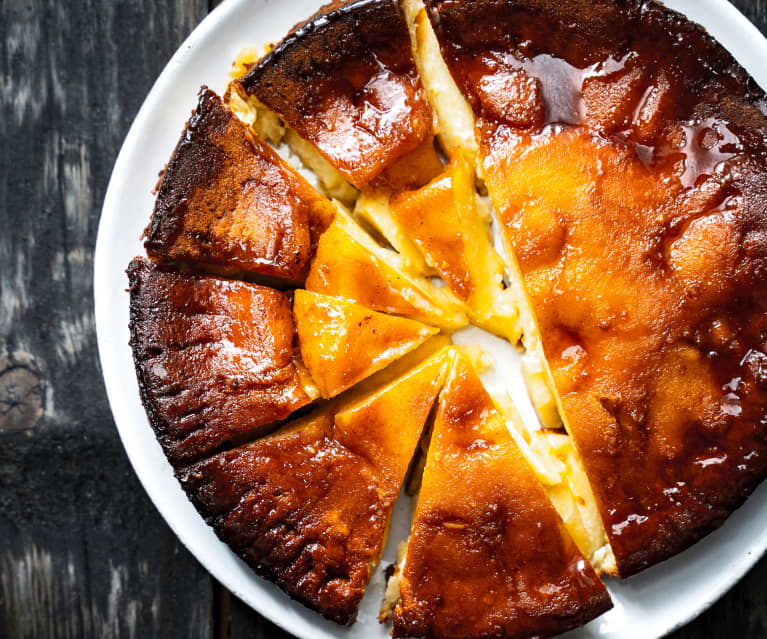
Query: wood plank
[(84, 553)]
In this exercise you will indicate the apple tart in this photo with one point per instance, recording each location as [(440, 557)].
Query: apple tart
[(583, 178)]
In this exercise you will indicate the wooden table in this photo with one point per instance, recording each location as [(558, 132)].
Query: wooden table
[(83, 553)]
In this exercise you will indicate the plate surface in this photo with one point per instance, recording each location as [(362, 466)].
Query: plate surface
[(648, 605)]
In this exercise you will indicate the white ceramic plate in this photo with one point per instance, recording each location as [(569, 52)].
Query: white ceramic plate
[(649, 605)]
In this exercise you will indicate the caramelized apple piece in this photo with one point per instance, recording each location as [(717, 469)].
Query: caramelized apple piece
[(411, 171), (229, 202), (216, 359), (350, 264), (346, 81), (342, 342), (488, 555), (611, 98), (308, 507)]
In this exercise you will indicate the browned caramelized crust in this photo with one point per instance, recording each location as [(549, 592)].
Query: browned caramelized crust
[(228, 201), (346, 81), (301, 509), (488, 556), (308, 507), (216, 359), (625, 153)]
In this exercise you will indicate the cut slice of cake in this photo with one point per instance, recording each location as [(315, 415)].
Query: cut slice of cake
[(456, 122), (629, 179), (343, 342), (216, 359), (488, 555), (308, 506), (267, 125), (449, 223), (228, 202), (350, 264), (346, 81)]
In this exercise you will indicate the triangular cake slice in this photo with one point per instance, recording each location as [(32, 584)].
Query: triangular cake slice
[(343, 342), (630, 181), (350, 264), (450, 225), (308, 506), (488, 555), (228, 201), (216, 359), (346, 81)]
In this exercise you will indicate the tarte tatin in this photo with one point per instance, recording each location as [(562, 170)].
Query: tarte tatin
[(292, 335)]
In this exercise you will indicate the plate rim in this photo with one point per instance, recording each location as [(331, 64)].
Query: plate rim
[(717, 16)]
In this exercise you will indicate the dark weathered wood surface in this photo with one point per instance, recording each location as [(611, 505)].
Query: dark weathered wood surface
[(83, 553)]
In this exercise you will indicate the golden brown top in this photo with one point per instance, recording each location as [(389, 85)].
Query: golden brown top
[(342, 342), (215, 359), (488, 555), (227, 200), (626, 159), (432, 219), (308, 506), (346, 81)]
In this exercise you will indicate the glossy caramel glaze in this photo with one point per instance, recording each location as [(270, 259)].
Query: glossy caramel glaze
[(216, 359), (342, 342), (488, 555), (431, 218), (308, 507), (625, 153), (346, 81), (227, 200), (349, 264)]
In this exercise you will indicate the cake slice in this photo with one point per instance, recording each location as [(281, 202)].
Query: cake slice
[(216, 359), (228, 202), (488, 555), (308, 506), (629, 179), (450, 225), (345, 80), (456, 135), (342, 342), (350, 264)]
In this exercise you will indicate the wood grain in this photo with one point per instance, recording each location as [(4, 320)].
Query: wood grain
[(83, 553)]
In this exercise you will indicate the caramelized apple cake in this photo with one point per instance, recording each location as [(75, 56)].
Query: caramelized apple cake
[(583, 178)]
